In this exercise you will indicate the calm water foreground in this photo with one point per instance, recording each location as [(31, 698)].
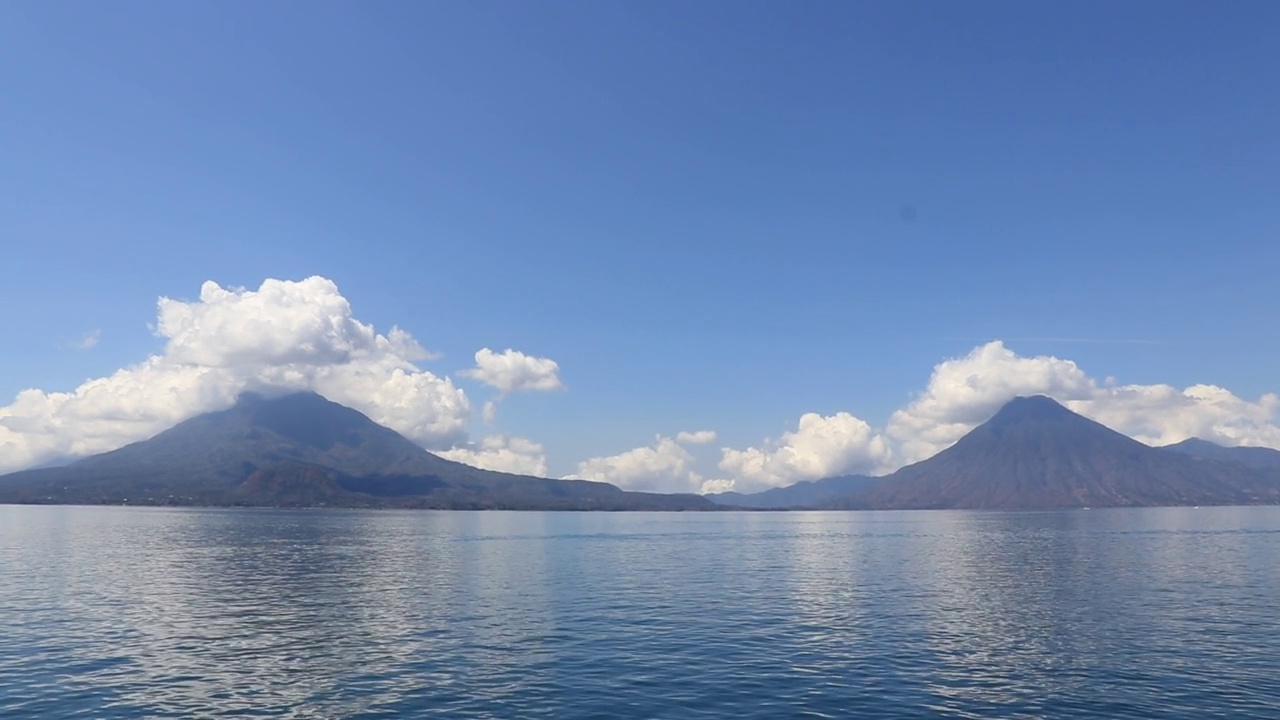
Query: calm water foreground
[(123, 612)]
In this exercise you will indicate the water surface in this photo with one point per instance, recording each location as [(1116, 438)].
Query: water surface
[(139, 612)]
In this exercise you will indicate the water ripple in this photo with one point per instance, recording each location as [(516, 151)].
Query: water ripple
[(131, 613)]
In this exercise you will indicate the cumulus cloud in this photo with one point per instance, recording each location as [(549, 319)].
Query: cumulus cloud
[(512, 370), (717, 486), (964, 392), (697, 437), (820, 446), (516, 455), (1162, 414), (303, 335), (284, 336), (664, 466)]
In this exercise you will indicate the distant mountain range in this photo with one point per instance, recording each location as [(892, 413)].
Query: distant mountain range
[(1037, 454), (303, 450), (804, 494), (1254, 457)]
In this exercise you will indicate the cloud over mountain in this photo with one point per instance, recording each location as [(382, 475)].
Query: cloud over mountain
[(1163, 414), (664, 466), (820, 446), (284, 336), (520, 456), (963, 392), (966, 391), (290, 336)]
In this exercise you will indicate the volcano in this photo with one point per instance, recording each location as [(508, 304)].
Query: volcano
[(1036, 454), (304, 450)]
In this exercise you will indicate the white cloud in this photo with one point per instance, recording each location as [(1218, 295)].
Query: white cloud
[(303, 336), (820, 446), (90, 340), (1162, 414), (697, 437), (717, 486), (285, 335), (964, 392), (664, 466), (511, 370), (503, 454)]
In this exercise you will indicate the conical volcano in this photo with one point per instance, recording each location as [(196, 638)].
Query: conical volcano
[(1035, 453), (302, 449)]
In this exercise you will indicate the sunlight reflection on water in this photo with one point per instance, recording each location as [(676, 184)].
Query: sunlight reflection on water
[(123, 612)]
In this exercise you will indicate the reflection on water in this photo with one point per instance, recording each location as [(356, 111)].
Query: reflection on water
[(115, 612)]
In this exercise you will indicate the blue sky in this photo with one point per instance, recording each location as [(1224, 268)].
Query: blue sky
[(710, 215)]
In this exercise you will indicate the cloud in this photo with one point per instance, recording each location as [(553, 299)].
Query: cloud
[(90, 340), (303, 335), (664, 466), (1162, 414), (503, 454), (698, 437), (964, 392), (511, 371), (961, 393), (717, 486), (820, 446), (285, 335)]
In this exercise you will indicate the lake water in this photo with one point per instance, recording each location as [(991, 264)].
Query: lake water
[(136, 612)]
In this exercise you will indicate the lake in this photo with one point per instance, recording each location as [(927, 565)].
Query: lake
[(156, 612)]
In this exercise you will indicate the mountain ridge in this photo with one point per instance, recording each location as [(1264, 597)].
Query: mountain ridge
[(1251, 456), (301, 449), (800, 495), (1036, 454)]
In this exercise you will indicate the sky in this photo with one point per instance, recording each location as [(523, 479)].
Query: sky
[(675, 246)]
